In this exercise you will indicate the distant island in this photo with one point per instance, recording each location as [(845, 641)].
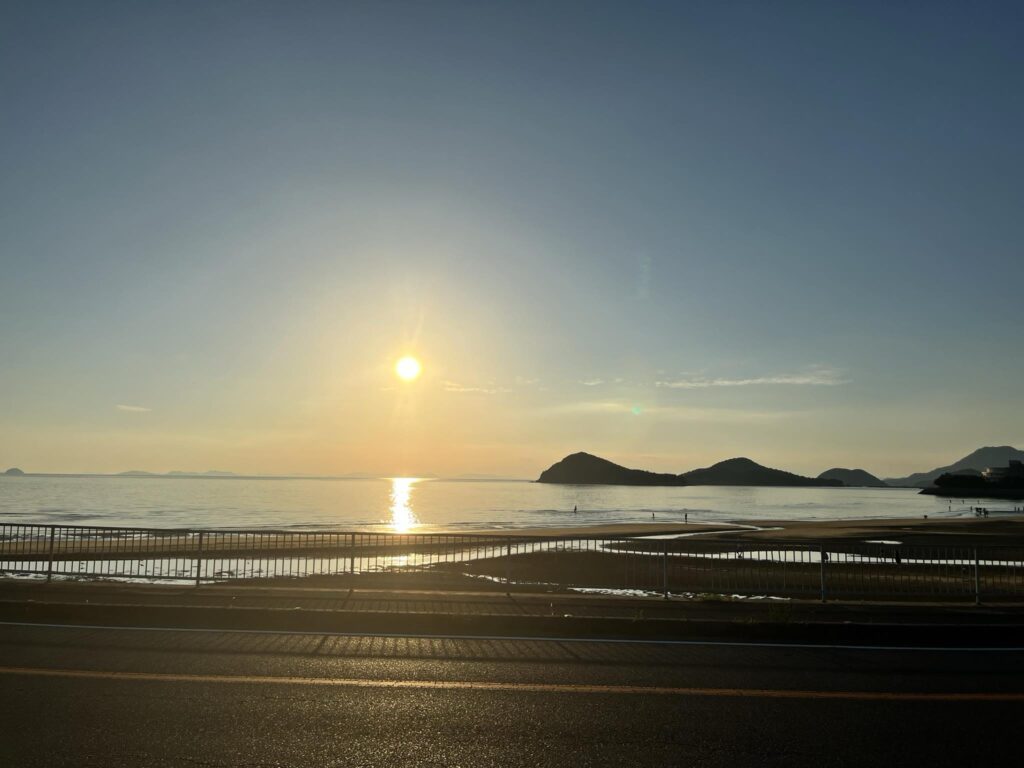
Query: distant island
[(587, 469), (854, 478), (744, 471), (207, 473), (14, 472)]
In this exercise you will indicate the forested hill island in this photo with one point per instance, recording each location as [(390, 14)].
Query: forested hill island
[(586, 469)]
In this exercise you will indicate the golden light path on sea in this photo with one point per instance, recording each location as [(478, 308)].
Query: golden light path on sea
[(403, 519)]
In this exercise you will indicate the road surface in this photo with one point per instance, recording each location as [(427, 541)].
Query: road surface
[(120, 697)]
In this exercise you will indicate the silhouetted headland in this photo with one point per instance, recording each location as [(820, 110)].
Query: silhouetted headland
[(586, 469), (855, 478), (1006, 482), (14, 472), (974, 464)]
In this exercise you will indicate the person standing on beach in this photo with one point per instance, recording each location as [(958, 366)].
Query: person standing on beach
[(574, 508)]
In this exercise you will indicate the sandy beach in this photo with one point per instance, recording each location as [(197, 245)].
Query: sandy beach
[(867, 559)]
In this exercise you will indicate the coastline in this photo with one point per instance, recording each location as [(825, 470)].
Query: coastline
[(993, 493)]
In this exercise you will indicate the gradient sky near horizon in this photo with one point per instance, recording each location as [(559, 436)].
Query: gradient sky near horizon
[(666, 233)]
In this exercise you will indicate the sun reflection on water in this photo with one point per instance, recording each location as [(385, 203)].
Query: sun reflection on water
[(403, 519)]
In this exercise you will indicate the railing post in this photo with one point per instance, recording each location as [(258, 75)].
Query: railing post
[(49, 559), (977, 579), (508, 565), (822, 558), (199, 559), (352, 555), (664, 569)]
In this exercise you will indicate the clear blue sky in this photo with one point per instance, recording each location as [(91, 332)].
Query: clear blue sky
[(669, 233)]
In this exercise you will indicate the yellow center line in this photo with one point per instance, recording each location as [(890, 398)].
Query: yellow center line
[(479, 685)]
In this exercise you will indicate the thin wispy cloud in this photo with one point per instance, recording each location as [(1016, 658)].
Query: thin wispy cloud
[(134, 408), (669, 412), (592, 382), (817, 377), (452, 386), (589, 406)]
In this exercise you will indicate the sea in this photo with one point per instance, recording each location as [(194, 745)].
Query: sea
[(406, 505)]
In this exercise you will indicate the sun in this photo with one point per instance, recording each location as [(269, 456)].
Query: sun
[(408, 368)]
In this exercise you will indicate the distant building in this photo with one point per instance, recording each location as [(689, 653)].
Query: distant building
[(1015, 469)]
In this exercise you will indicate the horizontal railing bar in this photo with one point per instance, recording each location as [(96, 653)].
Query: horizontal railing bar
[(687, 540)]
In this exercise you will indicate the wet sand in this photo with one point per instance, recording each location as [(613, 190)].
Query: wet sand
[(611, 530), (1003, 529)]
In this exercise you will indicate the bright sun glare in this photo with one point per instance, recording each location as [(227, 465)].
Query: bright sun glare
[(408, 368)]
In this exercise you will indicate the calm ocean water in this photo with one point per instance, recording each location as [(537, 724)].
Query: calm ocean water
[(426, 505)]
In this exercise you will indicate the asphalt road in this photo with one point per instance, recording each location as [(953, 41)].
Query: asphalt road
[(117, 697)]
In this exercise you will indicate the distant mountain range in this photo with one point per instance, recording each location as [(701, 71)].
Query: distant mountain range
[(852, 477), (975, 462), (586, 469), (175, 473), (207, 473)]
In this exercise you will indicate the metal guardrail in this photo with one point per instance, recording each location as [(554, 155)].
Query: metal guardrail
[(856, 571)]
